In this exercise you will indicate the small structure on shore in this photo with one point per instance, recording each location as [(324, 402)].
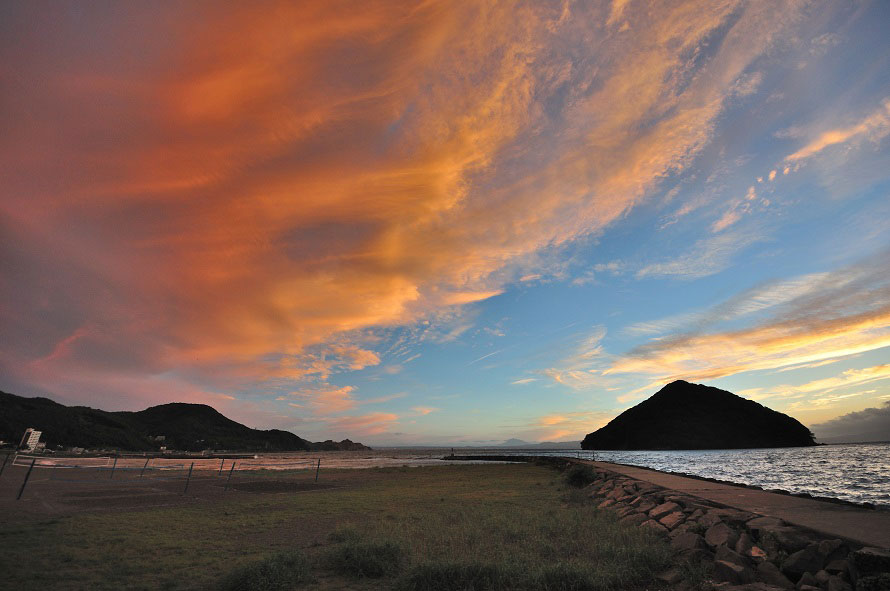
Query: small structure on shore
[(31, 439)]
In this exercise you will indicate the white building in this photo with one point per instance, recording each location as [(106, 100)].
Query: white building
[(30, 439)]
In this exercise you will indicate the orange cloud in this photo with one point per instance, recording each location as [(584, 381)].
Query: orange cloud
[(240, 201), (823, 387), (823, 317), (329, 401), (555, 427), (875, 126), (369, 424)]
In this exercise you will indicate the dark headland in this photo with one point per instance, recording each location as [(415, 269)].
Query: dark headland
[(694, 416), (176, 426)]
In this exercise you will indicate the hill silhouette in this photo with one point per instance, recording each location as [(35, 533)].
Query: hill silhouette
[(694, 416), (187, 427)]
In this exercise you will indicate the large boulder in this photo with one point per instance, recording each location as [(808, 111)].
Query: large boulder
[(672, 520), (784, 538), (744, 544), (833, 550), (732, 573), (688, 541), (879, 582), (721, 534), (808, 579), (869, 561), (770, 573), (663, 510), (724, 553), (802, 561)]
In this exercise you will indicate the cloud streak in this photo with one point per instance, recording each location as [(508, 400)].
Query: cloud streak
[(831, 315), (873, 127)]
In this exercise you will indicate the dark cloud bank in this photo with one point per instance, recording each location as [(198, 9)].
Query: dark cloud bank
[(871, 424)]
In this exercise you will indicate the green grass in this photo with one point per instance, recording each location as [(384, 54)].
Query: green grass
[(579, 475), (361, 558), (279, 572), (478, 526)]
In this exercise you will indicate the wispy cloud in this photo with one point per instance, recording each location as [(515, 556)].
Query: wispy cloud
[(327, 401), (706, 257), (381, 399), (560, 426), (873, 127), (760, 298), (486, 356), (838, 314), (372, 423), (583, 368)]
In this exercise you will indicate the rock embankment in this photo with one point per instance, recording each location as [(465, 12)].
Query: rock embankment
[(742, 550)]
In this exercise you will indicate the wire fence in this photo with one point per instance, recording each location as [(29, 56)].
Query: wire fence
[(109, 471)]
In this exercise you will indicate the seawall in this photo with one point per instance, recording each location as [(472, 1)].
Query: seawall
[(741, 535)]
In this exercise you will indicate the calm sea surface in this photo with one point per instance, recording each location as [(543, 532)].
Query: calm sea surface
[(854, 472)]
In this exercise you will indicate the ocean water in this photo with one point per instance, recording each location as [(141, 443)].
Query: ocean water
[(852, 472), (859, 473)]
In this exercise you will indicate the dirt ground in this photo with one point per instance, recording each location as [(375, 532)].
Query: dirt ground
[(48, 494)]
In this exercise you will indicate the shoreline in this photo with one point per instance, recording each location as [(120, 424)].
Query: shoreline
[(746, 537), (881, 507), (866, 526), (867, 506)]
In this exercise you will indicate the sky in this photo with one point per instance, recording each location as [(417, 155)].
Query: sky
[(447, 223)]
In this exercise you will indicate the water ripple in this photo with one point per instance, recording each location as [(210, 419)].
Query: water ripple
[(859, 473)]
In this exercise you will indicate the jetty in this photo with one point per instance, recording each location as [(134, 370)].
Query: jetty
[(865, 526)]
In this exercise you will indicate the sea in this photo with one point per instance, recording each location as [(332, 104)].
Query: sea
[(854, 472), (857, 472)]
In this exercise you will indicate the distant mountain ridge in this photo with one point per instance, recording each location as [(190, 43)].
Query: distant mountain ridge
[(184, 426), (545, 444), (694, 416)]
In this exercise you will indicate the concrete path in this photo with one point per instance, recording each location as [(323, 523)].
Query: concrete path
[(868, 527)]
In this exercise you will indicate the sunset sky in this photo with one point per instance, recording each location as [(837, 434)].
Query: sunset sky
[(446, 222)]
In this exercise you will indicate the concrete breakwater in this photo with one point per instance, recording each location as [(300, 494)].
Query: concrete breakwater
[(742, 549)]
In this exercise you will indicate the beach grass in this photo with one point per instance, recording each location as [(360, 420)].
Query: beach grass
[(445, 527)]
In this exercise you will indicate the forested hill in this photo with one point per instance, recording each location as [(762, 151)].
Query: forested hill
[(694, 416), (188, 427)]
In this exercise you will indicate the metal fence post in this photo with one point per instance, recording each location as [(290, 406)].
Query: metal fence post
[(188, 479), (144, 467), (3, 467), (317, 468), (113, 466), (232, 469), (27, 476), (221, 462)]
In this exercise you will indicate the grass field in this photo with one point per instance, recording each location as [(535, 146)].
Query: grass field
[(447, 527)]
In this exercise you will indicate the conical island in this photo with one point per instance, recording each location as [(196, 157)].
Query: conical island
[(694, 416)]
